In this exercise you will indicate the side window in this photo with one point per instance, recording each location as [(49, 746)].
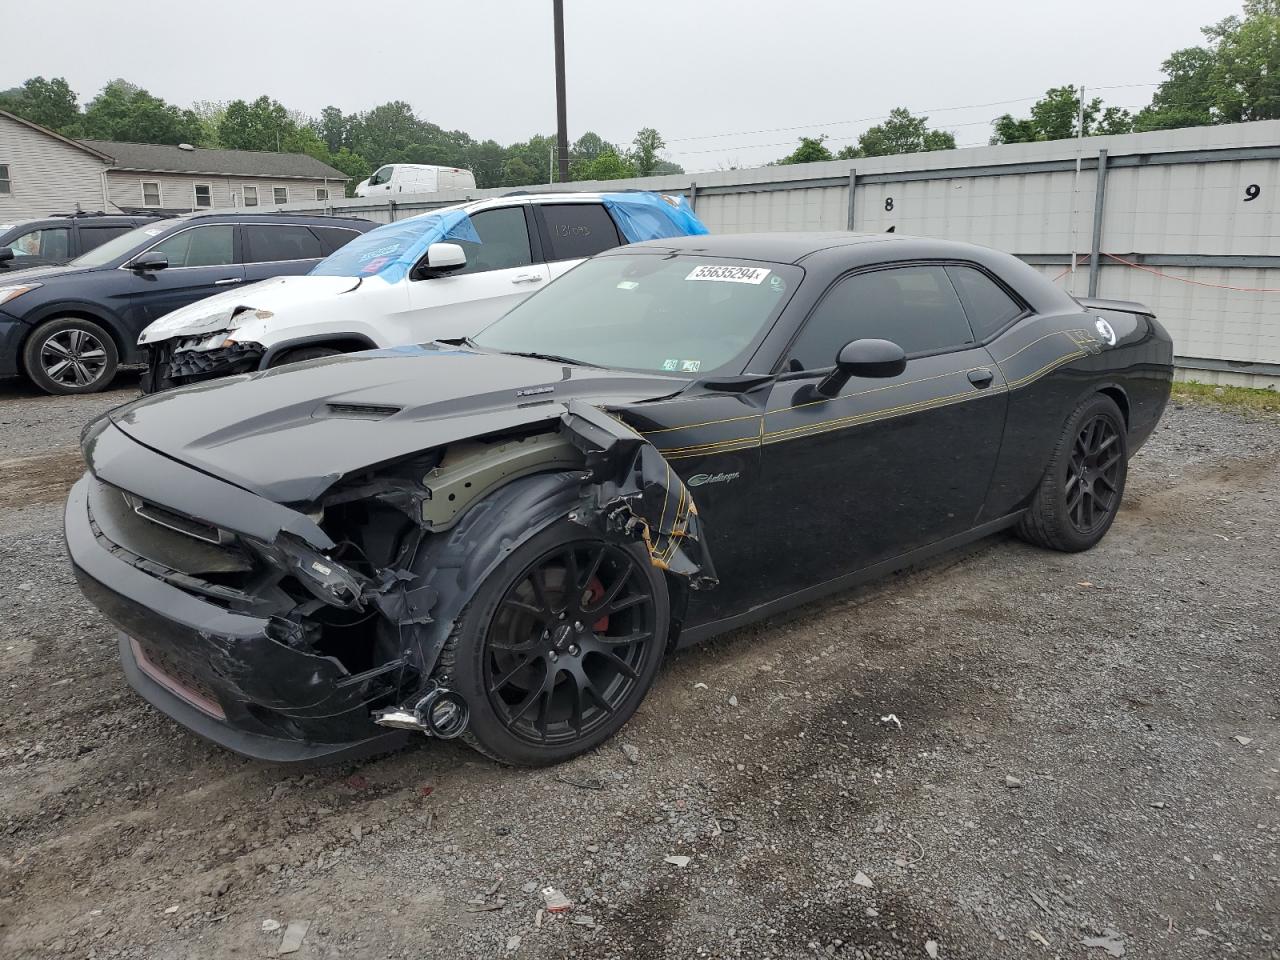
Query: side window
[(210, 246), (579, 230), (331, 238), (989, 307), (51, 242), (504, 241), (269, 243), (915, 307), (91, 237)]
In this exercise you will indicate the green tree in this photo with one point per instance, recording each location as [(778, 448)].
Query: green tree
[(1185, 98), (334, 128), (647, 143), (517, 173), (607, 166), (1056, 116), (811, 150), (50, 103), (1246, 70), (123, 111), (262, 125), (903, 133)]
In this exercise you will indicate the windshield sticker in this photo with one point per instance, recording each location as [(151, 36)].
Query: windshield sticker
[(777, 284), (683, 366), (726, 273), (627, 284), (152, 233)]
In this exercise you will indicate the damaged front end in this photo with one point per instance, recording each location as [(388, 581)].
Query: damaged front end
[(315, 631)]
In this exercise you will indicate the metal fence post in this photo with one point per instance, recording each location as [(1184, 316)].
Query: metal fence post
[(1099, 203), (853, 185), (391, 210), (693, 194)]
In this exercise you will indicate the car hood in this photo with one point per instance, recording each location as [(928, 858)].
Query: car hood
[(290, 433), (42, 274), (214, 313)]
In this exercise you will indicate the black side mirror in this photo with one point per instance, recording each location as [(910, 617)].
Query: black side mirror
[(148, 262), (6, 253), (862, 358)]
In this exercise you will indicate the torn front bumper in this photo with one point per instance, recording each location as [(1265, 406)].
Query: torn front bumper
[(218, 672), (169, 367)]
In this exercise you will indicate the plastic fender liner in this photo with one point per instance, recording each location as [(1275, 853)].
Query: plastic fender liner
[(627, 491), (633, 492)]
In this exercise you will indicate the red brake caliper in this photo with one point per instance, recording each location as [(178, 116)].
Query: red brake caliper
[(595, 590)]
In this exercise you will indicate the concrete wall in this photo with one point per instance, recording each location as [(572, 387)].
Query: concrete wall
[(46, 175), (1177, 230)]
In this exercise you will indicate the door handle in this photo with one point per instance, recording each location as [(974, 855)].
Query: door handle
[(229, 280), (527, 278), (981, 377)]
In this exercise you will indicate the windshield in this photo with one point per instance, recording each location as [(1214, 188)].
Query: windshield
[(666, 314), (382, 175), (123, 244), (390, 251)]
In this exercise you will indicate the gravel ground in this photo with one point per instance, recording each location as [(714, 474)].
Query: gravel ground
[(1089, 753)]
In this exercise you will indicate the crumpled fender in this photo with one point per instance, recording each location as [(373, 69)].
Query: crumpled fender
[(626, 492), (633, 492)]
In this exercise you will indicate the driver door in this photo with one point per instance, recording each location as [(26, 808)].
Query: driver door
[(501, 270), (888, 465)]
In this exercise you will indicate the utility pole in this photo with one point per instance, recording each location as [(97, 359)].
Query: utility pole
[(562, 124)]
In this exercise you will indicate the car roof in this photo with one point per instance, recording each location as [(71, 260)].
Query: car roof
[(773, 247), (797, 247), (300, 218)]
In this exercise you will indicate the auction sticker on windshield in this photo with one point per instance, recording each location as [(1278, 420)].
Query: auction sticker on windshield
[(727, 273)]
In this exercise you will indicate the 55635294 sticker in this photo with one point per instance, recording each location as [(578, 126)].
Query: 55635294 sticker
[(728, 273)]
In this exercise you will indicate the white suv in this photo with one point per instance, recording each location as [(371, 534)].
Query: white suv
[(439, 275)]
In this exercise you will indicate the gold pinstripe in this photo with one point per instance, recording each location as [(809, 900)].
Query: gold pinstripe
[(1077, 337)]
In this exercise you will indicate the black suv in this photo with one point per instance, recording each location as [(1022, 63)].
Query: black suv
[(69, 328), (54, 240)]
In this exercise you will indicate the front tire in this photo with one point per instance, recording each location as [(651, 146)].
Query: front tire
[(69, 356), (1080, 493), (558, 647)]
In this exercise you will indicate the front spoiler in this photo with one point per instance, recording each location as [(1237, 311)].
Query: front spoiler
[(255, 746)]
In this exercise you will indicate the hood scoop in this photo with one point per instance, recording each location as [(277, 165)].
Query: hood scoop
[(360, 411)]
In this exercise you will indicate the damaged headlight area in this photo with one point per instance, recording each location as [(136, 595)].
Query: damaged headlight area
[(326, 622)]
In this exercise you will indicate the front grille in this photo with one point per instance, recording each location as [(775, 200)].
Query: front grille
[(176, 522), (167, 671)]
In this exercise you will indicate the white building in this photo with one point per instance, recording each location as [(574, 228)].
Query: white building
[(43, 172)]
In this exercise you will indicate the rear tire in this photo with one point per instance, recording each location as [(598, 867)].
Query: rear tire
[(1080, 493), (70, 356), (303, 353), (558, 647)]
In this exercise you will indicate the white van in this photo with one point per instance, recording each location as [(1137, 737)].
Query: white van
[(414, 178), (447, 273)]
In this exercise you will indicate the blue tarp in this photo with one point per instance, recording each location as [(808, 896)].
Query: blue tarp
[(653, 216), (391, 251)]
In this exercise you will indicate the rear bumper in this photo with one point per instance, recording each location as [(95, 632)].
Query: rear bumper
[(217, 672)]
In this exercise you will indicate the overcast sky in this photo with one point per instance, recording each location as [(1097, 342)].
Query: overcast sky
[(690, 68)]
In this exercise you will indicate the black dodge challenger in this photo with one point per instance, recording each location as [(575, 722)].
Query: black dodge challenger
[(501, 538)]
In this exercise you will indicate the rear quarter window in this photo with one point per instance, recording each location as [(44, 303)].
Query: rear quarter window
[(334, 238), (577, 230)]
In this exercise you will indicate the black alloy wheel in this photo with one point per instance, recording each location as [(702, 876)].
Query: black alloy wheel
[(569, 642), (70, 356), (1080, 492), (1093, 475)]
